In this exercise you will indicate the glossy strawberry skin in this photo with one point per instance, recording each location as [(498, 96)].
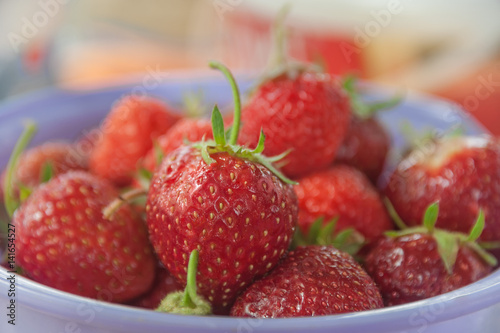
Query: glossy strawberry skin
[(342, 191), (409, 268), (237, 214), (308, 114), (463, 182), (64, 241), (127, 135), (163, 285), (191, 129), (311, 281), (62, 157), (365, 147)]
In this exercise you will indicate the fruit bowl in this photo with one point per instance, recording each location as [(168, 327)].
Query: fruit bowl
[(65, 115)]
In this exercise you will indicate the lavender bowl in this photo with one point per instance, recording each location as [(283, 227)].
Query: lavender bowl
[(64, 115)]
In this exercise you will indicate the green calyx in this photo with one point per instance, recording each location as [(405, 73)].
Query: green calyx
[(10, 201), (320, 233), (360, 108), (187, 302), (226, 141), (448, 242)]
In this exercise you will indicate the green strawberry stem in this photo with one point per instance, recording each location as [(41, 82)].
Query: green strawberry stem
[(12, 203), (233, 139), (394, 215), (278, 56), (122, 199), (187, 302), (361, 108), (220, 144)]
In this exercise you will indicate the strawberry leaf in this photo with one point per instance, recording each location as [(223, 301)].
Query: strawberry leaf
[(431, 216), (260, 145), (24, 192), (159, 155), (478, 227), (394, 215), (448, 246), (218, 127), (47, 172), (487, 257)]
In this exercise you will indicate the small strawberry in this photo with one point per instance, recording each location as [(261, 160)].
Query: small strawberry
[(462, 173), (311, 281), (190, 129), (300, 110), (345, 193), (38, 164), (163, 284), (128, 133), (64, 241), (226, 201), (367, 142), (421, 262)]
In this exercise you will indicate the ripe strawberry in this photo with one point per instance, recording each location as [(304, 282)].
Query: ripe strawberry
[(422, 262), (365, 147), (53, 158), (164, 284), (127, 135), (191, 129), (64, 241), (367, 142), (224, 201), (307, 114), (311, 281), (345, 193), (462, 173)]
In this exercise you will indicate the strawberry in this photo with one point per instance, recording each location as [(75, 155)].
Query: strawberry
[(164, 284), (306, 114), (64, 241), (226, 201), (311, 281), (190, 129), (345, 193), (49, 159), (128, 133), (421, 262), (367, 142), (300, 110), (462, 173), (365, 147)]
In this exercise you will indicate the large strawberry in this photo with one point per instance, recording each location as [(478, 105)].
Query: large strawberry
[(422, 262), (187, 129), (63, 240), (311, 281), (462, 173), (128, 133), (228, 202), (344, 193)]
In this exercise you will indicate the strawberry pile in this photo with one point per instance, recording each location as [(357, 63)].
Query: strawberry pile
[(276, 215)]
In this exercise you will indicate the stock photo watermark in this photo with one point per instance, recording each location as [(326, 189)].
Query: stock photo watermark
[(486, 86), (363, 36), (223, 6), (31, 26)]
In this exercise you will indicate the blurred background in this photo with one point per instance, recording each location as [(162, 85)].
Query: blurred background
[(444, 47)]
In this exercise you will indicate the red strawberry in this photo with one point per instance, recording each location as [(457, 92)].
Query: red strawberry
[(345, 193), (422, 262), (462, 173), (225, 201), (307, 114), (365, 147), (59, 157), (64, 241), (163, 284), (127, 135), (191, 129), (311, 281)]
